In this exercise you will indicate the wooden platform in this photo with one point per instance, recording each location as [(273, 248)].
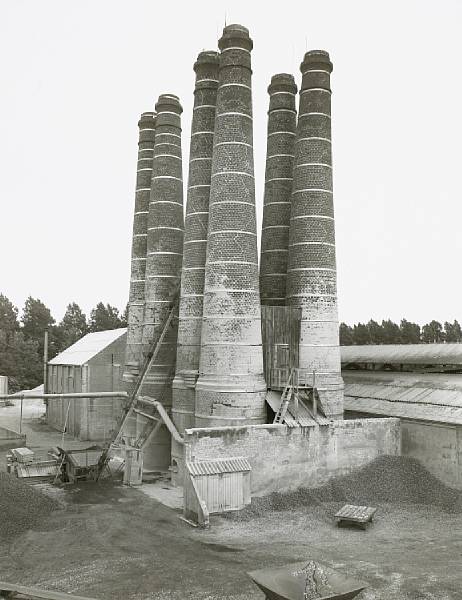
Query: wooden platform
[(355, 515)]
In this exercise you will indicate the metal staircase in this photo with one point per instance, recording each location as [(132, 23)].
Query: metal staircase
[(138, 404)]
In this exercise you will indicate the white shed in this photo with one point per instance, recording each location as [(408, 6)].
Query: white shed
[(223, 485)]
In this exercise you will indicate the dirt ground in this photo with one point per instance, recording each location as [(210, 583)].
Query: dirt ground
[(108, 541), (113, 542)]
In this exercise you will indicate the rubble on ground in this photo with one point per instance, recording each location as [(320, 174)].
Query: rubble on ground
[(21, 506), (387, 479)]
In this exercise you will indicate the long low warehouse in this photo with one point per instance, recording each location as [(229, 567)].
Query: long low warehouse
[(398, 356), (429, 406)]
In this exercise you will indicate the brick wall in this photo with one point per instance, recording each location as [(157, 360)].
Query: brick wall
[(285, 458)]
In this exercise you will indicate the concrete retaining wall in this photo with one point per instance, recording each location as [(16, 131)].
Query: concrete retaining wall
[(284, 458), (438, 446)]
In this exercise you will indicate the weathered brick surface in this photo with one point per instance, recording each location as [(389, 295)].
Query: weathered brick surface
[(282, 121), (195, 240), (311, 273), (164, 245), (231, 386), (284, 459), (133, 355)]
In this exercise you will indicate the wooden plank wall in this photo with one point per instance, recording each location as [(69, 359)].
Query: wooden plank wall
[(281, 336)]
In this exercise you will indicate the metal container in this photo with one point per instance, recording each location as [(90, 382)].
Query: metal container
[(308, 580)]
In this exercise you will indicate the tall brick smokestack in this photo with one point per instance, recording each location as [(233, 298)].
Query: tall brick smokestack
[(133, 354), (311, 281), (231, 387), (164, 258), (282, 124), (195, 242)]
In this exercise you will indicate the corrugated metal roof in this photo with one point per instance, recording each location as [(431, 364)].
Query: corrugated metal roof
[(35, 390), (404, 410), (416, 354), (405, 395), (215, 467), (50, 469), (86, 348)]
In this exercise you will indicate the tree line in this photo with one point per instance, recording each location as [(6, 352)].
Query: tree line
[(406, 332), (22, 338)]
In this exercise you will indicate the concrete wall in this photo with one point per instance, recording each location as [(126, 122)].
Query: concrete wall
[(284, 458), (437, 446), (92, 418)]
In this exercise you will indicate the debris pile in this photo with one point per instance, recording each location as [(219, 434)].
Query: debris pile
[(21, 506), (393, 479)]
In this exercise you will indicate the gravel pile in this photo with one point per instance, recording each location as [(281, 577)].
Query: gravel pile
[(388, 479), (21, 506)]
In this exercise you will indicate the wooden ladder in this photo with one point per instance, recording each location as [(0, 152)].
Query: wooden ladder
[(285, 399)]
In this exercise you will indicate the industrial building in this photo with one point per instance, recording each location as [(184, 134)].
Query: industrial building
[(92, 364), (229, 373), (228, 359), (421, 385)]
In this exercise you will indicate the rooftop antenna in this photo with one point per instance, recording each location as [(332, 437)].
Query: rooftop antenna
[(225, 18)]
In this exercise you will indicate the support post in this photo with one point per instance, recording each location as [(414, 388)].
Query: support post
[(45, 362)]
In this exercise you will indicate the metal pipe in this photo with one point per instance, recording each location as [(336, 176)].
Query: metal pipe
[(20, 419), (61, 396)]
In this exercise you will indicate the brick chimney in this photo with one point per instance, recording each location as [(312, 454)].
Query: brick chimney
[(163, 264), (195, 242), (231, 388), (282, 123), (133, 354), (311, 275)]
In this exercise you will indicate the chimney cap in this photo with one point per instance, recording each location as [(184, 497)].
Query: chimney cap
[(316, 58), (206, 57), (235, 27), (235, 35), (282, 81), (168, 102)]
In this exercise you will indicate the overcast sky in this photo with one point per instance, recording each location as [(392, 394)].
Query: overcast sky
[(76, 75)]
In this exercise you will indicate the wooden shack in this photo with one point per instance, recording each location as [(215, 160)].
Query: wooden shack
[(93, 364), (223, 485)]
